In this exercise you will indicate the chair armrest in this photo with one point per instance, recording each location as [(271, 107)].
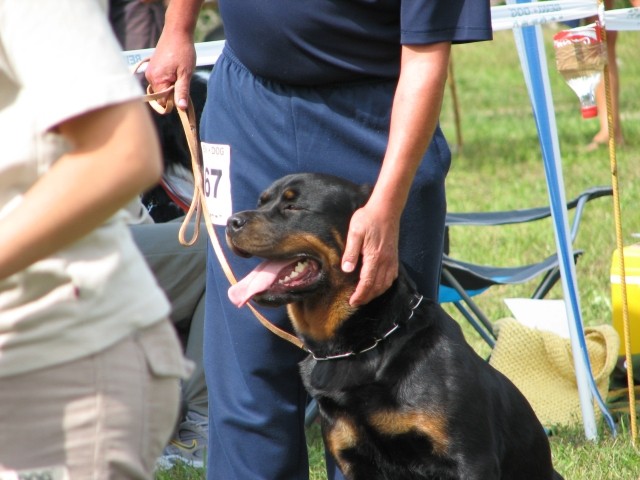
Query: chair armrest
[(507, 217)]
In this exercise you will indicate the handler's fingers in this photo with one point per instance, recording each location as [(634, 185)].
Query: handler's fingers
[(367, 239), (366, 284), (376, 277), (355, 239), (181, 93)]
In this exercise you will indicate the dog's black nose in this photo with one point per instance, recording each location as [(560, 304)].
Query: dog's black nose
[(236, 222)]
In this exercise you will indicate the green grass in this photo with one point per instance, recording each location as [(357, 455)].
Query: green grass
[(499, 167)]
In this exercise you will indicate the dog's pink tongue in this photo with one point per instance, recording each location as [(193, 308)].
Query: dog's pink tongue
[(259, 280)]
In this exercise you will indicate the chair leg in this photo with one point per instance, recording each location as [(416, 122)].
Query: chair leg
[(547, 283), (489, 338), (470, 303), (310, 413)]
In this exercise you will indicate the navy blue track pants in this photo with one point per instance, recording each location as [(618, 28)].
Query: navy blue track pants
[(256, 398)]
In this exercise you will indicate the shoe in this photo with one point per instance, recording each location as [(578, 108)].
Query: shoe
[(189, 445)]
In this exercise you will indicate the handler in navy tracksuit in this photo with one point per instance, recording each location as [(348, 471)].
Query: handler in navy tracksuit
[(348, 87)]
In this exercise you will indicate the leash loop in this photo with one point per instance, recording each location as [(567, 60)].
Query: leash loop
[(152, 99)]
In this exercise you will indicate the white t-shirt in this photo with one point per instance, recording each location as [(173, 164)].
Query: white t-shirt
[(54, 65)]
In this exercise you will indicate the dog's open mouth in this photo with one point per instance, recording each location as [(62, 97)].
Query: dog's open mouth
[(276, 277)]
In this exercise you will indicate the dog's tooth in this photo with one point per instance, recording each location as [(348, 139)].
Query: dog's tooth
[(298, 269)]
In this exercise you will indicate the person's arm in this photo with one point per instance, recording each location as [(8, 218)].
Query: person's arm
[(115, 156), (174, 58), (374, 229)]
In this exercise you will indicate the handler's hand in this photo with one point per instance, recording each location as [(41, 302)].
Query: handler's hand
[(173, 63), (374, 235)]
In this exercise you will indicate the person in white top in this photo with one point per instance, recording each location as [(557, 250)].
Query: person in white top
[(90, 366)]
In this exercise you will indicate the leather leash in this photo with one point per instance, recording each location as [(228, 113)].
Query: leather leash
[(198, 205)]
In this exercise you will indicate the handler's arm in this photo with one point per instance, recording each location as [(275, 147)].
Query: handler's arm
[(374, 229), (115, 156), (174, 58)]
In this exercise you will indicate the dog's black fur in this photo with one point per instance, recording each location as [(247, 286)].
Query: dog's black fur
[(421, 404)]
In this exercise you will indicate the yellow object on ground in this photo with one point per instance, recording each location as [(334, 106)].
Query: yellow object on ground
[(632, 277), (541, 365)]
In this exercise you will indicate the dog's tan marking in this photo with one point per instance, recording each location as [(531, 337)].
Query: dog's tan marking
[(432, 425), (260, 237), (320, 317), (305, 242), (264, 198), (289, 195), (339, 239), (341, 436), (256, 237)]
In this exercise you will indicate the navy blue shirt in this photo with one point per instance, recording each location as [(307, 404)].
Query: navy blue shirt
[(315, 42)]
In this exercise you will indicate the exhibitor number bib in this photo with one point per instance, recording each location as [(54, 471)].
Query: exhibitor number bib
[(216, 161)]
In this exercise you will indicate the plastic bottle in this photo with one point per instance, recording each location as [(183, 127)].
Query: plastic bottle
[(584, 83), (580, 58)]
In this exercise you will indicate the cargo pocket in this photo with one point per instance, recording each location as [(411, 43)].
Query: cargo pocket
[(163, 351)]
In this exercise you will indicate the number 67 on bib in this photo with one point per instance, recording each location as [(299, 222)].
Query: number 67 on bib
[(216, 160)]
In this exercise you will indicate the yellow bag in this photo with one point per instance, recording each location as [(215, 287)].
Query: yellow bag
[(540, 364)]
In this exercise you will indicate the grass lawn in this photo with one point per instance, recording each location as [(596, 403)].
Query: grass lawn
[(499, 167)]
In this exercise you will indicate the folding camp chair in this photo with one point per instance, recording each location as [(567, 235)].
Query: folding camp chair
[(462, 280)]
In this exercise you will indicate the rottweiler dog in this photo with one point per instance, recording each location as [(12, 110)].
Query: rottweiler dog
[(401, 394)]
